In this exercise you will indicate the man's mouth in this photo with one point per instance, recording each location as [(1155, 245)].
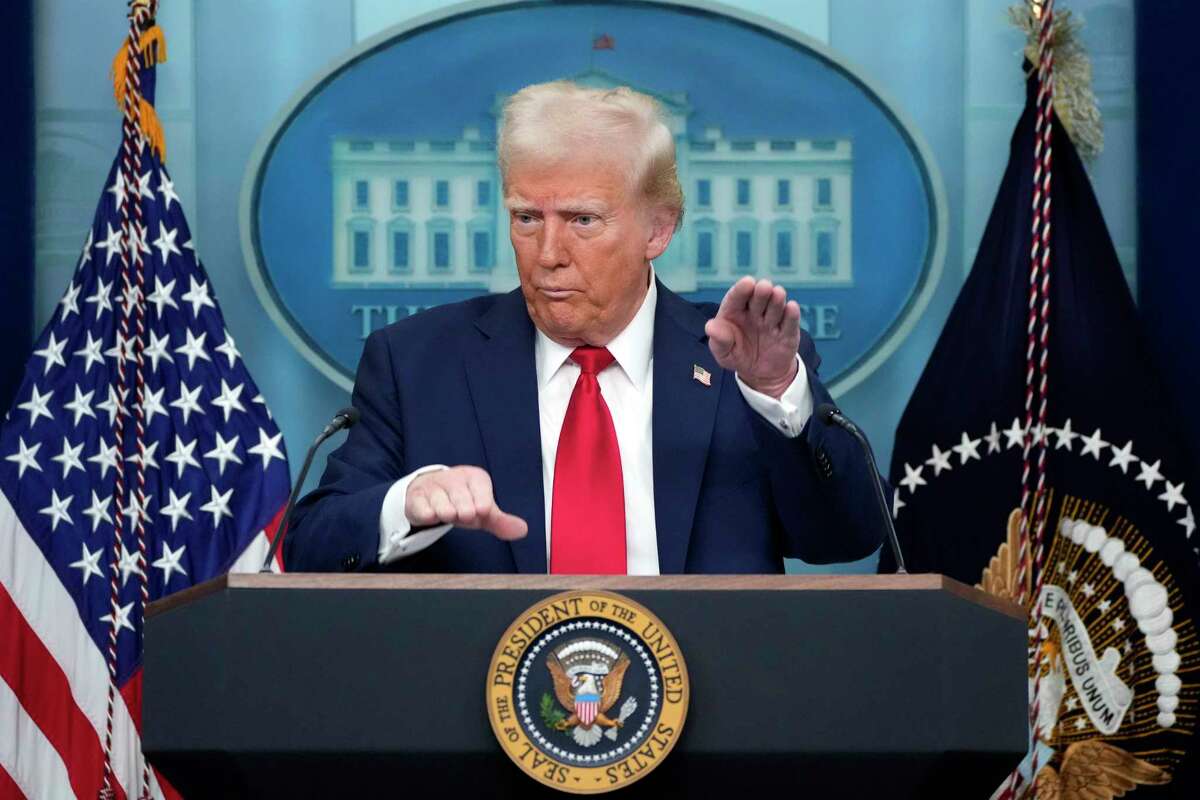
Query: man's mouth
[(557, 294)]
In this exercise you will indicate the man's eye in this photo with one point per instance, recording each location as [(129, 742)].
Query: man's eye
[(524, 219), (585, 219)]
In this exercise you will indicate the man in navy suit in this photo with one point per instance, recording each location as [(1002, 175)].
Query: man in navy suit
[(591, 421)]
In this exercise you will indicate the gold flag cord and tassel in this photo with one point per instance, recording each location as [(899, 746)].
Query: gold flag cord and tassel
[(152, 46)]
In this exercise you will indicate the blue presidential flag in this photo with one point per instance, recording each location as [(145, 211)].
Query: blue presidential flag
[(139, 459), (1114, 661)]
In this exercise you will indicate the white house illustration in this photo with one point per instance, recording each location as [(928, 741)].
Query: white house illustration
[(427, 214)]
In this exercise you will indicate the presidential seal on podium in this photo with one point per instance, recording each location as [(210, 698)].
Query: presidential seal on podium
[(587, 691)]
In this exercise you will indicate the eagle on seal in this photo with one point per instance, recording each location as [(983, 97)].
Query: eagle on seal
[(587, 690)]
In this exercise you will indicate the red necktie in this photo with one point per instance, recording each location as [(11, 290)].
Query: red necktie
[(587, 529)]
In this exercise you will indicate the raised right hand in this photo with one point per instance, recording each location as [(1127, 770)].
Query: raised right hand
[(460, 496)]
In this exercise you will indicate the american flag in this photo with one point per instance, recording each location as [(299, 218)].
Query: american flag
[(79, 452)]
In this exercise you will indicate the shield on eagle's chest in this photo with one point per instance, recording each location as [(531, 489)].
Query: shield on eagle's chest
[(587, 706)]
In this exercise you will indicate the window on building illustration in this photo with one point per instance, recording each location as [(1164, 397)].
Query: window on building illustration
[(743, 192), (441, 193), (824, 144), (824, 197), (441, 147), (703, 147), (401, 147), (361, 261), (704, 193), (742, 147), (481, 250), (744, 251), (400, 251), (783, 192), (483, 194), (823, 261), (441, 250), (361, 146), (783, 145), (783, 249), (362, 194), (400, 194), (704, 251)]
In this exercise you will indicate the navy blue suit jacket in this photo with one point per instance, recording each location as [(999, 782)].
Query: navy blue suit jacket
[(457, 385)]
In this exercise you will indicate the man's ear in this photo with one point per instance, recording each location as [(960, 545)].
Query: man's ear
[(662, 228)]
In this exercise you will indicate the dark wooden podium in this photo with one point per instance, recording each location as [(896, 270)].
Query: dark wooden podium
[(373, 685)]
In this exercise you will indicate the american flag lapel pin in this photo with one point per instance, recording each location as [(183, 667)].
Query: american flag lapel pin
[(701, 375)]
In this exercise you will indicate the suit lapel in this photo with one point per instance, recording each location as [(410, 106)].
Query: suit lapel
[(684, 413), (503, 381)]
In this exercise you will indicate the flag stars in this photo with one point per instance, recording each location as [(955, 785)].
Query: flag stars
[(111, 244), (135, 510), (70, 301), (262, 401), (52, 353), (218, 506), (223, 452), (197, 295), (122, 349), (182, 456), (1015, 434), (156, 350), (912, 478), (193, 348), (993, 440), (1104, 606), (38, 405), (69, 457), (89, 564), (147, 453), (86, 255), (166, 243), (1072, 703), (267, 447), (129, 564), (897, 503), (1088, 590), (167, 189), (1118, 624), (113, 405), (1092, 445), (57, 510), (101, 298), (97, 512), (122, 618), (169, 563), (176, 508), (25, 457), (152, 404), (1080, 724), (229, 401), (106, 457), (1072, 576), (187, 402), (228, 348), (1122, 457), (161, 297), (1149, 474), (1066, 437), (1173, 495), (1188, 522), (90, 352), (940, 460), (967, 448)]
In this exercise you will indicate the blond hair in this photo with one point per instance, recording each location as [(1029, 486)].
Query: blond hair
[(550, 122)]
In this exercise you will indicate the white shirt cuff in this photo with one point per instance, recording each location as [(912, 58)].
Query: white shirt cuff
[(394, 527), (789, 413)]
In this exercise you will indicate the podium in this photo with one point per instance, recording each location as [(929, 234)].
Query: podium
[(307, 685)]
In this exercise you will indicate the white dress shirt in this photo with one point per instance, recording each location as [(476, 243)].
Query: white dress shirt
[(628, 389)]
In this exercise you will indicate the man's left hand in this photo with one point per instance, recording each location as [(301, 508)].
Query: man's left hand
[(756, 333)]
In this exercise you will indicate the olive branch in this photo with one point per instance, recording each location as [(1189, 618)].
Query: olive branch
[(551, 714)]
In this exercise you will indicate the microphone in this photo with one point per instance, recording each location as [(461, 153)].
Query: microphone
[(341, 420), (831, 415)]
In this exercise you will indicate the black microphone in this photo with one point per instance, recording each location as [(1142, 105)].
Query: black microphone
[(831, 415), (341, 420)]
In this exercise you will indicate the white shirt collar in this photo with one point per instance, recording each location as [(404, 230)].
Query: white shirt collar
[(632, 348)]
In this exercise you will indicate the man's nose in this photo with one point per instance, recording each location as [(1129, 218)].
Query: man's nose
[(552, 253)]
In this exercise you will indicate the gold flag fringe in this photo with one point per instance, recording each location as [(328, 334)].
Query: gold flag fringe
[(153, 47), (1074, 100)]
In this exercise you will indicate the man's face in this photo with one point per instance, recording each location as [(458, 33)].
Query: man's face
[(583, 239)]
